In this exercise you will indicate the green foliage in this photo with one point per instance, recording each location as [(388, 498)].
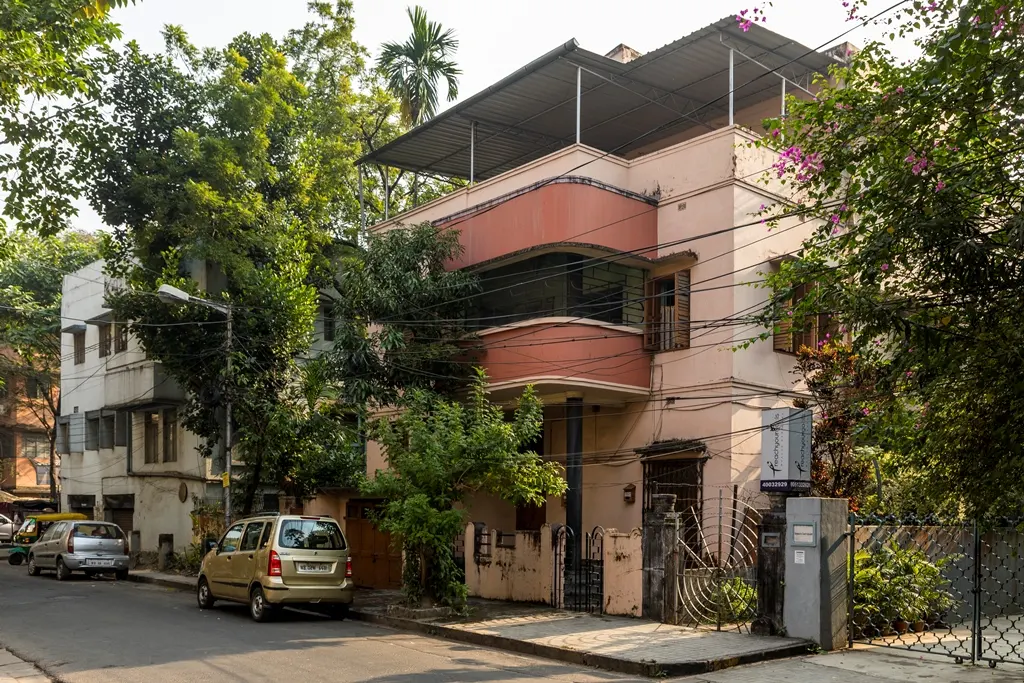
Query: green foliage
[(217, 183), (400, 313), (188, 561), (892, 584), (440, 451), (308, 437), (414, 68), (841, 386), (32, 271), (734, 601), (905, 489), (50, 67), (913, 169)]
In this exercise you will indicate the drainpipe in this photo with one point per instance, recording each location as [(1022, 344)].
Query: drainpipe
[(574, 469)]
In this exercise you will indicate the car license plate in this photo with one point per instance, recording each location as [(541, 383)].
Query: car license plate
[(99, 563), (314, 567)]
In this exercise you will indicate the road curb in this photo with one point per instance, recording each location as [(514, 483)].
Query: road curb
[(625, 666), (157, 581), (635, 668)]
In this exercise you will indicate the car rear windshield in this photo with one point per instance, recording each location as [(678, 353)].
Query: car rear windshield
[(311, 534), (96, 531)]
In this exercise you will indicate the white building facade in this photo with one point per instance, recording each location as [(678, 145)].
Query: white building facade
[(126, 457)]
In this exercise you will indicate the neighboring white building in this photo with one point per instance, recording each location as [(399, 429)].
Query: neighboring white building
[(126, 457)]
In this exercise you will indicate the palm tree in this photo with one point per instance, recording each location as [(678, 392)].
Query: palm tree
[(413, 68)]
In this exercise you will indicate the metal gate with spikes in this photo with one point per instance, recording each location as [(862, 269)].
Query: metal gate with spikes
[(715, 563)]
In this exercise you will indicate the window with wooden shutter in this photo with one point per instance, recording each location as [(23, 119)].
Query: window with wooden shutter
[(667, 312), (682, 312), (793, 335)]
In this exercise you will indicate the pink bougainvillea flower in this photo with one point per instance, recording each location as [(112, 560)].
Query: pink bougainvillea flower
[(775, 133), (762, 207), (940, 186), (885, 266), (834, 218), (1000, 25), (976, 20), (910, 373), (899, 90), (866, 411), (933, 6), (835, 230)]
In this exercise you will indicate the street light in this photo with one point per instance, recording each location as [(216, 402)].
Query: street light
[(173, 295)]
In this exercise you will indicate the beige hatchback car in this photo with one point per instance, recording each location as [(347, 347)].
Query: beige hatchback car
[(271, 561)]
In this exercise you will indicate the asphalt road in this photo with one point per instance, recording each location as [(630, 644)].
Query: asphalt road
[(102, 631)]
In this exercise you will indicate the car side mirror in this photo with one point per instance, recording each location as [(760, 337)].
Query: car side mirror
[(209, 545)]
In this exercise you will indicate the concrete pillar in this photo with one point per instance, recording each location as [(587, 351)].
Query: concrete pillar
[(658, 549), (165, 552), (574, 471), (816, 570)]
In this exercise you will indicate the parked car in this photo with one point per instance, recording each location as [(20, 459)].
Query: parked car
[(32, 529), (270, 561), (91, 547), (6, 529)]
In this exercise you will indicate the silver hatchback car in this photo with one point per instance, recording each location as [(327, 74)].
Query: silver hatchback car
[(91, 547)]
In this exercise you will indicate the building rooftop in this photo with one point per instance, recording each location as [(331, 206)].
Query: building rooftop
[(624, 106)]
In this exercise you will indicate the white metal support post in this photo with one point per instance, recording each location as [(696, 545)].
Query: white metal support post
[(579, 94), (783, 97), (732, 82), (472, 152)]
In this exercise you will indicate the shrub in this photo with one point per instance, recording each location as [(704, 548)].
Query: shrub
[(734, 601), (893, 584)]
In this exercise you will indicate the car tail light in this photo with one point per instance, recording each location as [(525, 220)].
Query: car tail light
[(274, 565), (348, 568), (71, 543)]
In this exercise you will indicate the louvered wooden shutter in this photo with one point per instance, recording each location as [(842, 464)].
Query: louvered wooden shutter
[(784, 334), (650, 320), (682, 331)]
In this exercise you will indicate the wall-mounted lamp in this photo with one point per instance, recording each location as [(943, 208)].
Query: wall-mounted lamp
[(629, 493)]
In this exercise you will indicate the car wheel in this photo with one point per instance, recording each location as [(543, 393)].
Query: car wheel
[(203, 595), (338, 612), (121, 575), (63, 573), (33, 570), (15, 559), (259, 609)]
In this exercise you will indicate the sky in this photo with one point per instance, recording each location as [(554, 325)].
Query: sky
[(494, 39)]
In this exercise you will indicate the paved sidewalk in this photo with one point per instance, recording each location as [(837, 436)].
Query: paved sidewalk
[(631, 646), (865, 665), (14, 669)]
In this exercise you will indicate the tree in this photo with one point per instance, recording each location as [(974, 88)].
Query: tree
[(307, 436), (217, 182), (51, 64), (841, 387), (401, 314), (440, 451), (413, 69), (914, 171), (31, 281)]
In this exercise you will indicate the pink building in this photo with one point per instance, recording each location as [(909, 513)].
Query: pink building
[(609, 216)]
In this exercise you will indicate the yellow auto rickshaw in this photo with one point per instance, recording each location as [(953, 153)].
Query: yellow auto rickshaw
[(31, 529)]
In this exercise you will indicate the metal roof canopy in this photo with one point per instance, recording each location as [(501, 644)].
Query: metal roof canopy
[(624, 107)]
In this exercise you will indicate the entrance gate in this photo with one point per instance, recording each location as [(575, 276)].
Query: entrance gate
[(938, 586), (579, 570), (715, 558)]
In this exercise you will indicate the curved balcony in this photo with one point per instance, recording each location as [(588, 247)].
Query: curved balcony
[(563, 211), (566, 355)]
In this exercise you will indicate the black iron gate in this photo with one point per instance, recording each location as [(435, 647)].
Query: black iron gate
[(579, 570), (940, 586)]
